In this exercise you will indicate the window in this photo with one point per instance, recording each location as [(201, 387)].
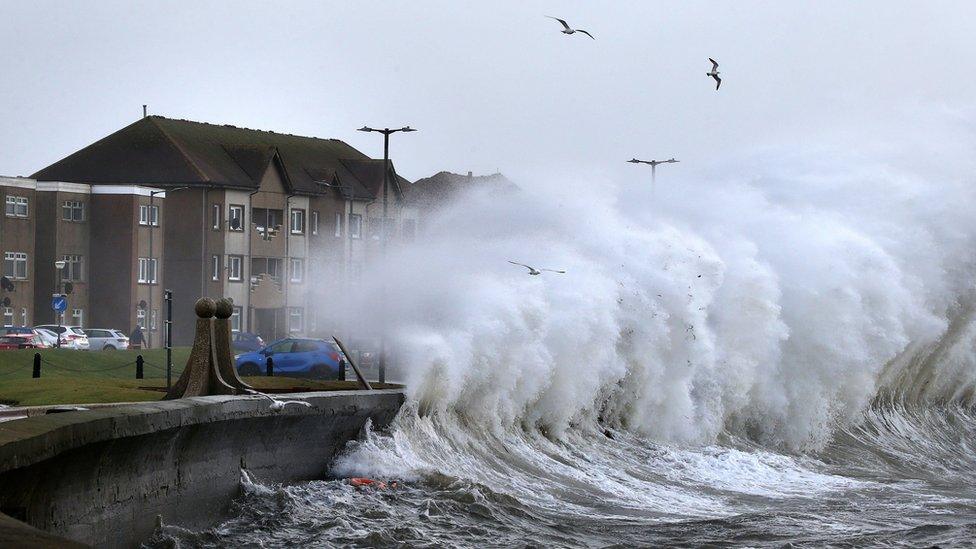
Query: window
[(73, 210), (72, 268), (8, 316), (153, 316), (297, 221), (356, 226), (273, 267), (338, 225), (141, 318), (147, 270), (266, 222), (149, 215), (235, 319), (16, 206), (215, 216), (15, 265), (235, 217), (77, 317), (215, 267), (295, 319), (297, 270), (234, 267), (23, 316), (315, 222)]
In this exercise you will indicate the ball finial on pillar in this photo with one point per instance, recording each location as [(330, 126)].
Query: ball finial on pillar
[(205, 307), (225, 308)]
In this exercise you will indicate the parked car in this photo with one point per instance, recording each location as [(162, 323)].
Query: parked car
[(105, 339), (74, 336), (49, 338), (295, 357), (36, 338), (246, 342), (21, 341)]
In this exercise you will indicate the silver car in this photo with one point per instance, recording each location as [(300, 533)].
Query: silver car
[(102, 339), (72, 337)]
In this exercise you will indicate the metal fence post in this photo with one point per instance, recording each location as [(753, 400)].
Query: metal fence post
[(37, 366), (270, 369), (139, 364)]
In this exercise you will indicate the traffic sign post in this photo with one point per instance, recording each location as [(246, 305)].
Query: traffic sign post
[(60, 304)]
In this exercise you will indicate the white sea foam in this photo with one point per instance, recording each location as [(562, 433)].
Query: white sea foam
[(764, 302)]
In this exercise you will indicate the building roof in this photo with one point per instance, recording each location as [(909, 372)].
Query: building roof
[(440, 188), (164, 152)]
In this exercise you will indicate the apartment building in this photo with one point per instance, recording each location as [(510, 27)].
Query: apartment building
[(93, 233), (17, 242), (264, 218)]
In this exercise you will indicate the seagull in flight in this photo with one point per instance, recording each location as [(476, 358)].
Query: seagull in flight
[(533, 271), (279, 405), (569, 30), (714, 73)]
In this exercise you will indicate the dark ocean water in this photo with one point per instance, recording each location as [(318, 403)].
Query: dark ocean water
[(903, 476)]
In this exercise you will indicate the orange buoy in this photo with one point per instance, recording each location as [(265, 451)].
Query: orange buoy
[(361, 481)]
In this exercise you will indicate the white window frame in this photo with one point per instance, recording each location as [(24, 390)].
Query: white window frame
[(154, 320), (147, 270), (215, 267), (149, 215), (71, 207), (314, 222), (8, 317), (297, 221), (141, 318), (300, 271), (235, 319), (239, 209), (74, 268), (355, 226), (78, 317), (18, 261), (231, 261), (296, 313), (14, 205), (215, 210), (338, 225)]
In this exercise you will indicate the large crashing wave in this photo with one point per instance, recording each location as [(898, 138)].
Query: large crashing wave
[(773, 306)]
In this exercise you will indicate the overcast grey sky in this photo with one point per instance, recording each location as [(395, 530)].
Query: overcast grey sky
[(491, 85)]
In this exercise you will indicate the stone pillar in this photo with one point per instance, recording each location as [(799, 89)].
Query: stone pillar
[(201, 376)]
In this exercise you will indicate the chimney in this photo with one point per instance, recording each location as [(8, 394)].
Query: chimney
[(470, 174), (145, 113)]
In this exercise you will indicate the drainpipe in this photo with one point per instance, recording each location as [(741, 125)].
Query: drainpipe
[(285, 276), (250, 310)]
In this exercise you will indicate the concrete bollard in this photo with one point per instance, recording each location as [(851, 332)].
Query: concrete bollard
[(37, 366), (139, 365), (270, 369)]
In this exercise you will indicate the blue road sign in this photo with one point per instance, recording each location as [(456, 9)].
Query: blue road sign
[(59, 303)]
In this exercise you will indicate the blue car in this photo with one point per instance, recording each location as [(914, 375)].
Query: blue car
[(246, 342), (295, 357)]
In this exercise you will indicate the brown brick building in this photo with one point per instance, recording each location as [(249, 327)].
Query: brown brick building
[(257, 216)]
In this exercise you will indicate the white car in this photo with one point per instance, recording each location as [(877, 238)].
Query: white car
[(101, 339), (48, 337), (73, 337)]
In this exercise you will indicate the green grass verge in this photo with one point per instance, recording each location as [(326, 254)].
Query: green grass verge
[(84, 377)]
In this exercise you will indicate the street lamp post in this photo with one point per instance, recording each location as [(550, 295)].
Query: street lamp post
[(386, 184), (153, 223), (59, 265), (653, 164)]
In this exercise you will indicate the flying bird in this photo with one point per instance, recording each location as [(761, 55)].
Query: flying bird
[(569, 30), (714, 73), (279, 405), (533, 271)]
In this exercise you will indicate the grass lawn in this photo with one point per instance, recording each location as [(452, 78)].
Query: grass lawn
[(82, 377)]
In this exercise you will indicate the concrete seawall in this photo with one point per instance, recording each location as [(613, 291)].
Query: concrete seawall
[(100, 477)]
